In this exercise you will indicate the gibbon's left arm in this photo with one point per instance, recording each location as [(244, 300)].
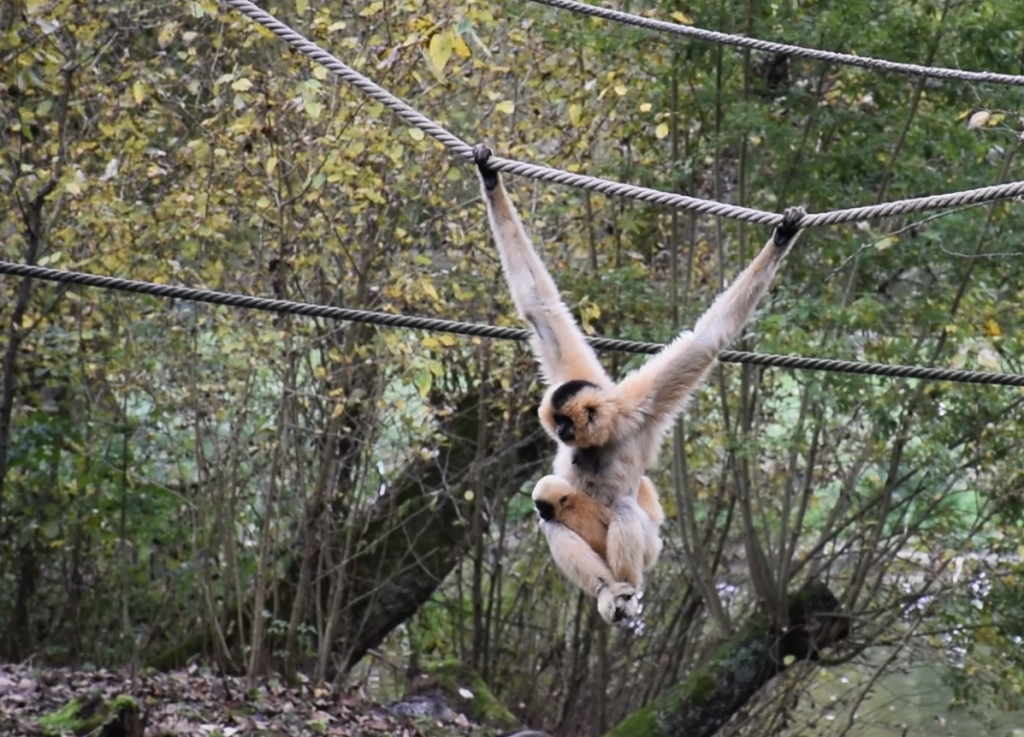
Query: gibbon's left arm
[(557, 342), (661, 386)]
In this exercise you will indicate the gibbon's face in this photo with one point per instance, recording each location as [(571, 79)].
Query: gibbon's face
[(579, 413), (548, 509), (551, 505)]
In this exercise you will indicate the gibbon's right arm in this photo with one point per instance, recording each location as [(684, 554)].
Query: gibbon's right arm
[(557, 342), (662, 385)]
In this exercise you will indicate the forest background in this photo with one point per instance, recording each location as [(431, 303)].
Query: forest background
[(278, 494)]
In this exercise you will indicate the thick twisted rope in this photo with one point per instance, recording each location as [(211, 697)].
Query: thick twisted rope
[(707, 207), (384, 319), (881, 65)]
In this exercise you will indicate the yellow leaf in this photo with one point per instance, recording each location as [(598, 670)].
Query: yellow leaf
[(575, 111), (886, 243), (979, 119), (424, 382), (339, 409), (620, 89), (431, 292), (372, 9), (996, 119), (645, 107), (989, 359), (138, 92), (271, 164), (416, 134), (301, 5), (320, 372), (166, 34), (468, 496), (440, 50), (320, 73), (461, 48), (661, 131), (506, 106), (992, 328), (682, 18), (241, 85)]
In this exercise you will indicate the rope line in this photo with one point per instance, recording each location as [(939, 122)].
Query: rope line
[(618, 189), (431, 324), (867, 62)]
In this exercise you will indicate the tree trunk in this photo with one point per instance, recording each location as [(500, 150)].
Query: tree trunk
[(705, 700), (420, 530), (412, 537)]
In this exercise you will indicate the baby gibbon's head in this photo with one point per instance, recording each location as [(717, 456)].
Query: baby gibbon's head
[(549, 508), (580, 413), (554, 502)]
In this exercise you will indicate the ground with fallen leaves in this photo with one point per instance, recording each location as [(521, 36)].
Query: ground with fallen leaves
[(200, 703)]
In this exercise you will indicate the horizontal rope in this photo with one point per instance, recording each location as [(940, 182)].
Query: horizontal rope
[(618, 189), (744, 42), (431, 324)]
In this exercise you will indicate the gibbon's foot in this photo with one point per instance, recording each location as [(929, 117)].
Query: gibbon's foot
[(481, 154), (790, 226), (617, 602)]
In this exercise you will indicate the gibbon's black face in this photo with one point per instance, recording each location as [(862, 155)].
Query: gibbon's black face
[(579, 414), (546, 509)]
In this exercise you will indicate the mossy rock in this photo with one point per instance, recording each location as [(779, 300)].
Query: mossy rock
[(466, 693), (96, 717)]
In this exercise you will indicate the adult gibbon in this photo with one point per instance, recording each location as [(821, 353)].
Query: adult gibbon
[(609, 433)]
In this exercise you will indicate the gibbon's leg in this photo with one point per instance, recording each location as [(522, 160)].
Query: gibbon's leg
[(558, 343), (662, 385), (628, 532), (647, 498), (583, 567)]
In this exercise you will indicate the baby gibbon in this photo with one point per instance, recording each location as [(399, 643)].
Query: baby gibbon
[(609, 433), (558, 503)]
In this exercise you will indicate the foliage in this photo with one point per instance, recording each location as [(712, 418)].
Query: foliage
[(207, 481)]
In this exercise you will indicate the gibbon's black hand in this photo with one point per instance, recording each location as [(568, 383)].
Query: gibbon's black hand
[(789, 227), (480, 156)]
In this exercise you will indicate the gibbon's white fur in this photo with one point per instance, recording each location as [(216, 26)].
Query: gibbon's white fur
[(609, 433)]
